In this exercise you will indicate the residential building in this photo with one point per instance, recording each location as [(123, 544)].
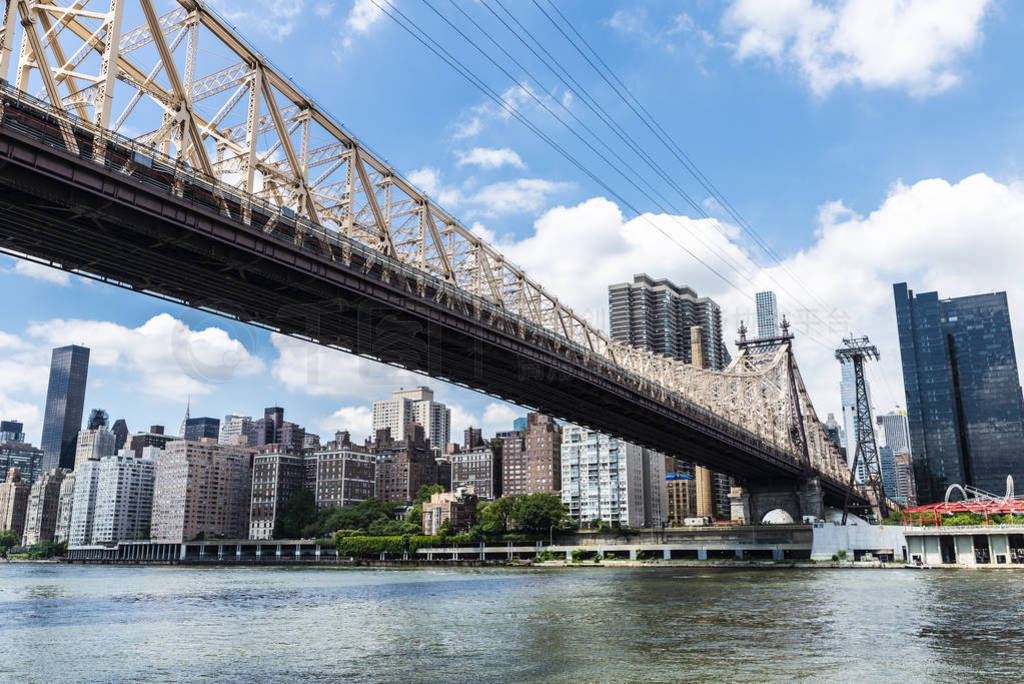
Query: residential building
[(895, 431), (658, 316), (964, 404), (403, 466), (472, 438), (154, 438), (43, 502), (531, 458), (272, 428), (65, 400), (655, 496), (457, 507), (310, 442), (14, 493), (343, 473), (83, 503), (680, 495), (767, 314), (94, 444), (202, 428), (64, 505), (414, 405), (237, 429), (11, 431), (277, 473), (25, 457), (202, 489), (602, 478), (124, 496), (478, 468), (906, 489)]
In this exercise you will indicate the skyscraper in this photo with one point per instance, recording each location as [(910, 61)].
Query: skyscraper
[(414, 405), (767, 314), (964, 404), (603, 478), (658, 316), (202, 428), (895, 431), (237, 429), (272, 428), (120, 431), (65, 400), (94, 444)]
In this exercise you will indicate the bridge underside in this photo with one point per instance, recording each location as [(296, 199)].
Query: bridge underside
[(84, 216)]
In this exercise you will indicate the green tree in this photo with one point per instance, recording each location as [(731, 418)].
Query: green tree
[(539, 513), (355, 517), (424, 493), (493, 519), (298, 514), (8, 540)]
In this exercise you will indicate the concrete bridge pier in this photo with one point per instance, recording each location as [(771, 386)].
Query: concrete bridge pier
[(751, 501)]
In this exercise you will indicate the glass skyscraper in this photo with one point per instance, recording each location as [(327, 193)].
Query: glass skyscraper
[(767, 314), (964, 404), (65, 400)]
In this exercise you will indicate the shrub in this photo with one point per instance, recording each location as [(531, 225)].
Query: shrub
[(580, 555)]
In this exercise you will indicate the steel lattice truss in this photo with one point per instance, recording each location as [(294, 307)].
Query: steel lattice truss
[(184, 83)]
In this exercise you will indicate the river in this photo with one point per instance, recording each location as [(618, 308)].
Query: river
[(103, 623)]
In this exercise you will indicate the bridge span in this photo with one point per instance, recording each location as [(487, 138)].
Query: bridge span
[(355, 259)]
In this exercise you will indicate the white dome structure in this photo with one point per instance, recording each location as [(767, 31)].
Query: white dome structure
[(834, 515), (777, 516)]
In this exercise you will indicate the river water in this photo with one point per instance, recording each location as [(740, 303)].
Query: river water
[(103, 623)]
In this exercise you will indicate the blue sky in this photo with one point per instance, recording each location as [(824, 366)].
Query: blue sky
[(867, 142)]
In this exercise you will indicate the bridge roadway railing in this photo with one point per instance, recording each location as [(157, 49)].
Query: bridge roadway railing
[(37, 119)]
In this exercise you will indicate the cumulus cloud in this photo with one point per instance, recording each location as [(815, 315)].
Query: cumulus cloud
[(275, 19), (913, 45), (490, 158), (40, 272), (164, 357), (361, 18), (358, 420), (959, 238), (516, 196), (428, 180)]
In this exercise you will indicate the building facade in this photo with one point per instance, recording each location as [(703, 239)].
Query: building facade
[(65, 503), (964, 405), (602, 478), (65, 401), (276, 474), (403, 466), (94, 444), (14, 493), (83, 503), (272, 428), (43, 502), (478, 468), (680, 495), (25, 457), (343, 474), (531, 458), (124, 496), (767, 314), (154, 438), (414, 405), (457, 507), (202, 428), (202, 488), (237, 429)]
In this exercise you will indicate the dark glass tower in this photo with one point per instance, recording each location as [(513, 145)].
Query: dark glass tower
[(964, 404), (201, 428), (65, 399)]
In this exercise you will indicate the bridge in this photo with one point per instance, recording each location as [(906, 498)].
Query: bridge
[(241, 196)]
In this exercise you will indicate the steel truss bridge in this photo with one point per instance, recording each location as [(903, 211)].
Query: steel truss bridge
[(172, 159)]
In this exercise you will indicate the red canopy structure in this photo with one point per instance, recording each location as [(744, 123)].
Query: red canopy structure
[(931, 514)]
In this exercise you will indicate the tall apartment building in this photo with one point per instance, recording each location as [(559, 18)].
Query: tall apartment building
[(14, 493), (342, 473), (41, 514), (472, 438), (767, 314), (277, 473), (403, 466), (658, 316), (414, 405), (681, 498), (895, 430), (94, 444), (906, 488), (124, 496), (65, 503), (654, 490), (202, 428), (531, 458), (202, 488), (964, 404), (83, 503), (272, 428), (237, 429), (602, 478), (65, 400), (25, 457), (479, 468)]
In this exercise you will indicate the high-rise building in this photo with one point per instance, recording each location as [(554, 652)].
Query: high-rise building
[(11, 431), (97, 418), (887, 459), (906, 489), (14, 493), (154, 438), (341, 473), (202, 428), (22, 456), (403, 466), (94, 444), (124, 496), (479, 468), (120, 431), (43, 501), (654, 492), (272, 428), (895, 431), (531, 458), (237, 429), (680, 498), (65, 400), (64, 505), (658, 316), (964, 404), (277, 473), (602, 478), (414, 405), (202, 489), (83, 503), (473, 438), (767, 314), (834, 431)]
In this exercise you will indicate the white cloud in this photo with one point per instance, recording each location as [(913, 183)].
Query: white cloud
[(361, 18), (520, 97), (323, 9), (275, 19), (40, 272), (913, 44), (428, 180), (163, 357), (631, 20), (517, 196), (490, 158), (358, 420), (958, 238)]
